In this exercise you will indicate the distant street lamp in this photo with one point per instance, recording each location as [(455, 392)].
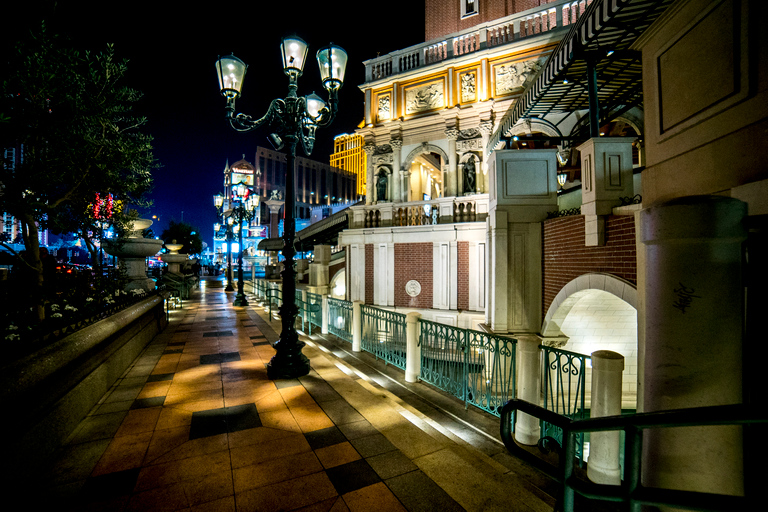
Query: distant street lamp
[(295, 120), (218, 201)]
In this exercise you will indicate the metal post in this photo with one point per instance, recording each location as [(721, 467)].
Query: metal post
[(229, 287), (240, 299), (594, 112), (289, 362)]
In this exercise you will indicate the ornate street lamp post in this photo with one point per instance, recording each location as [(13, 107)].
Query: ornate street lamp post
[(218, 201), (246, 202), (294, 120)]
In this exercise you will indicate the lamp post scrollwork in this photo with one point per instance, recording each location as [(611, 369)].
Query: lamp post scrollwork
[(294, 120)]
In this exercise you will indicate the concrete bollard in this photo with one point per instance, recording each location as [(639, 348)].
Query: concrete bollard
[(527, 430), (412, 350), (357, 325), (324, 321), (603, 466)]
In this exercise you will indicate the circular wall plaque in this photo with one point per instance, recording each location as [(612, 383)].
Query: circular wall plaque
[(412, 288)]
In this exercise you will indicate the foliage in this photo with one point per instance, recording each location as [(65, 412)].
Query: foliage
[(72, 116), (184, 234)]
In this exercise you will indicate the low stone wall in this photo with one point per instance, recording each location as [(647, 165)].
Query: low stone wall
[(45, 395)]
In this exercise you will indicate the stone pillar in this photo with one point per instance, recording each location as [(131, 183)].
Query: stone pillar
[(405, 185), (606, 176), (357, 325), (324, 320), (370, 186), (694, 314), (603, 466), (452, 176), (274, 206), (528, 363), (412, 350), (395, 187), (498, 286), (486, 129), (319, 269)]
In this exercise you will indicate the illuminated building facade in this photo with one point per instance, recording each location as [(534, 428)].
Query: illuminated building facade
[(348, 154)]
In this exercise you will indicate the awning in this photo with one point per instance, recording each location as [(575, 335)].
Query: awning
[(603, 35), (325, 231)]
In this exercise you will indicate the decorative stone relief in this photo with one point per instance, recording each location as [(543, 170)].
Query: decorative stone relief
[(413, 288), (424, 98), (469, 145), (511, 77), (384, 109), (468, 87)]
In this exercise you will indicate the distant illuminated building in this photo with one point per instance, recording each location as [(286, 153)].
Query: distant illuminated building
[(349, 155)]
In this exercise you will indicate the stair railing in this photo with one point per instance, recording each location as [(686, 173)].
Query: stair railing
[(631, 492)]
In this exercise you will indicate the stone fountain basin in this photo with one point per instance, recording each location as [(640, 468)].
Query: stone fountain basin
[(173, 258), (133, 247)]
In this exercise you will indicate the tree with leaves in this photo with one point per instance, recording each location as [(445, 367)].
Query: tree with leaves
[(185, 234), (71, 114)]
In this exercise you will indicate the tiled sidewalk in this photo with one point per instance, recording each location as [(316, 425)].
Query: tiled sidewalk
[(195, 424)]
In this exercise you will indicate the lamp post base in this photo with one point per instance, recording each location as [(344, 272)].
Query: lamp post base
[(289, 362), (240, 300)]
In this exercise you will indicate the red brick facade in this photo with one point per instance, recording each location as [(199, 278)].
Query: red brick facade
[(565, 257), (444, 16), (463, 276), (413, 261)]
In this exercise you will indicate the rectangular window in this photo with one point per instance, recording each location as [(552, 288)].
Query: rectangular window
[(469, 8)]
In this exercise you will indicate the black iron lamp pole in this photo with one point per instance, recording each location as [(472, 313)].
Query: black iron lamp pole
[(218, 202), (294, 120)]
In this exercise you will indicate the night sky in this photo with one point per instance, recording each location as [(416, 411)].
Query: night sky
[(172, 48)]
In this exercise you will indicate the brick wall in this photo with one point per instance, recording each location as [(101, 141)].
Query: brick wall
[(463, 276), (413, 261), (565, 257), (444, 16)]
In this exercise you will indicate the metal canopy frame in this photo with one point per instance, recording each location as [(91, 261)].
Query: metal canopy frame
[(598, 46)]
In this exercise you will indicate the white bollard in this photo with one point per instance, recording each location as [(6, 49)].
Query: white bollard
[(324, 322), (603, 465), (527, 430), (357, 325), (412, 350)]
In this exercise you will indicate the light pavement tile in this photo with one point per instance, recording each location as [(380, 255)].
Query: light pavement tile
[(194, 396), (139, 420), (153, 389), (256, 436), (373, 497), (288, 495), (164, 441), (296, 396), (276, 448), (276, 470), (310, 417), (167, 498), (412, 441), (391, 464), (226, 504), (337, 454), (125, 452), (272, 401), (171, 417), (194, 448)]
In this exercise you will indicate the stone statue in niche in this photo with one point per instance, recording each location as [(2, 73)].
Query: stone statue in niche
[(381, 186), (469, 175)]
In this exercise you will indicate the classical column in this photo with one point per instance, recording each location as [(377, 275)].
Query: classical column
[(603, 467), (370, 186), (694, 314), (413, 349), (481, 179), (405, 184), (395, 187), (451, 187), (527, 429)]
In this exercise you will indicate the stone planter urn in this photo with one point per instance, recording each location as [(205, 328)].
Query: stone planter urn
[(173, 258), (133, 252)]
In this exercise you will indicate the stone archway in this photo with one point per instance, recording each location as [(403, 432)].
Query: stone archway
[(429, 151), (597, 312), (338, 285)]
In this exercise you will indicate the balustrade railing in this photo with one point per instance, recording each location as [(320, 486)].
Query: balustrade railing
[(383, 335), (315, 302), (477, 367), (444, 210), (546, 18)]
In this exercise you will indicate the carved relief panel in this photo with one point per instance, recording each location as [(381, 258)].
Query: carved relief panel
[(425, 96), (511, 77)]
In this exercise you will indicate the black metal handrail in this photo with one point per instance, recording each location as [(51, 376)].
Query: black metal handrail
[(631, 492)]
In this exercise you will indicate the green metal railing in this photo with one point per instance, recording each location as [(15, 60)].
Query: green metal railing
[(564, 386), (340, 319), (315, 310), (477, 367), (631, 492), (384, 335)]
